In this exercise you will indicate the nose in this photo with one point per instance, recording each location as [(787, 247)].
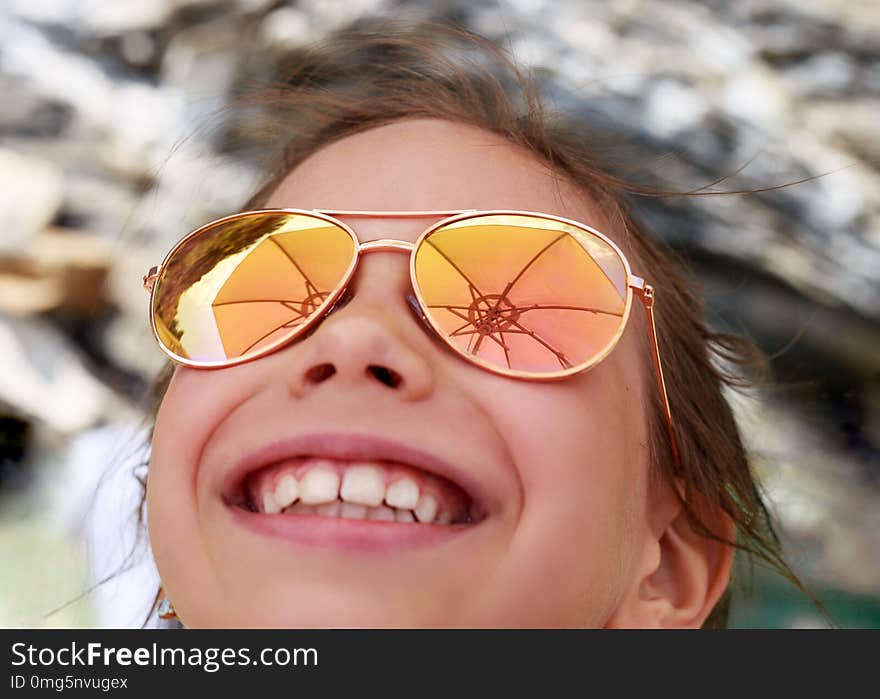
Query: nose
[(364, 343)]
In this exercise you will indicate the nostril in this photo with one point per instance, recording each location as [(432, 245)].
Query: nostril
[(387, 376), (320, 372)]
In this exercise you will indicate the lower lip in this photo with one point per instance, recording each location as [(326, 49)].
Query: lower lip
[(351, 535)]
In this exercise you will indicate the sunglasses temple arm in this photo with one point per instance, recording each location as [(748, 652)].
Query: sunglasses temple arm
[(646, 294)]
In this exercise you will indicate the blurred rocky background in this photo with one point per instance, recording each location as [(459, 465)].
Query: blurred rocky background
[(107, 156)]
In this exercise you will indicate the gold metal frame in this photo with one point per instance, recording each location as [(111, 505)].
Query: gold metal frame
[(635, 285)]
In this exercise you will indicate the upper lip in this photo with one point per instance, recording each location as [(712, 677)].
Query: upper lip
[(353, 447)]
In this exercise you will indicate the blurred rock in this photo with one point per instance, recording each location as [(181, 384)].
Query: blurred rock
[(30, 196), (44, 379), (821, 501), (201, 61), (81, 262), (286, 27), (60, 270), (672, 108), (128, 339), (757, 97), (26, 289), (851, 124), (103, 204), (824, 75), (42, 70), (100, 17)]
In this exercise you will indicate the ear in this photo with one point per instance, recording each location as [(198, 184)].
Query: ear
[(679, 575)]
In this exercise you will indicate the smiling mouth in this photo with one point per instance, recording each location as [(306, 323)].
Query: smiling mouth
[(377, 492)]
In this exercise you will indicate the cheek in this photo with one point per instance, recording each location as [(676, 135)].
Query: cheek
[(570, 443), (193, 405)]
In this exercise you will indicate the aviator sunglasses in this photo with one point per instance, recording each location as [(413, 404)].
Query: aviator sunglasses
[(521, 294)]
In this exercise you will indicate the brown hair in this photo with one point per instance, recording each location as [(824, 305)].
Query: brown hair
[(383, 71)]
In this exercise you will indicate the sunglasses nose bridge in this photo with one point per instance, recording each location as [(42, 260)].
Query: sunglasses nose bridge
[(387, 245), (390, 244)]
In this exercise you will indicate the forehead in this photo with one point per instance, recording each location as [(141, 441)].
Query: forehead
[(428, 164)]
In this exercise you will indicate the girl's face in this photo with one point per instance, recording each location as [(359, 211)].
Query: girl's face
[(556, 471)]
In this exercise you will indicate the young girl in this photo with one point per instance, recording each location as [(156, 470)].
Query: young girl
[(421, 380)]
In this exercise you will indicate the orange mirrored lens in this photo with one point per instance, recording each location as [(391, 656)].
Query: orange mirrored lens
[(522, 292), (245, 284)]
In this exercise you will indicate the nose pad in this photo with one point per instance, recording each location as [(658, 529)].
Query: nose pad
[(417, 309), (344, 298)]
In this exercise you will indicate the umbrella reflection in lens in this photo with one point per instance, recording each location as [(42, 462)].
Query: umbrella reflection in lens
[(522, 292), (248, 283)]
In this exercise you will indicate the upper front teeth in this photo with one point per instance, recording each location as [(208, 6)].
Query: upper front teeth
[(321, 484), (403, 494), (359, 495), (270, 504), (426, 508), (287, 490), (363, 485)]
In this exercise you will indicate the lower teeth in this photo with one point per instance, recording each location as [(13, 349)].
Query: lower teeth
[(346, 510), (335, 510)]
